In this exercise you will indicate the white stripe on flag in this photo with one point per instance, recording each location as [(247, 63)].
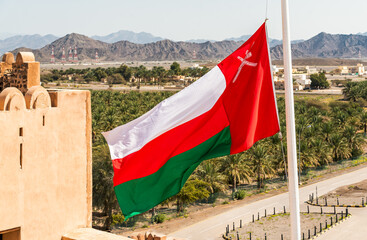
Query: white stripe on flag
[(182, 107)]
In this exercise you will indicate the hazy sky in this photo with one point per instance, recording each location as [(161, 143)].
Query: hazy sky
[(181, 20)]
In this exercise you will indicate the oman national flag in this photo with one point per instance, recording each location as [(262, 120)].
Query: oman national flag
[(224, 112)]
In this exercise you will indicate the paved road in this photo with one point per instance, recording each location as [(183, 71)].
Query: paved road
[(331, 91), (353, 228), (213, 227)]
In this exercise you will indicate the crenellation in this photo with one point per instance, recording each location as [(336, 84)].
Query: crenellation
[(23, 73)]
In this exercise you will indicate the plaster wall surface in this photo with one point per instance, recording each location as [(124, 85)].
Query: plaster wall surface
[(45, 162)]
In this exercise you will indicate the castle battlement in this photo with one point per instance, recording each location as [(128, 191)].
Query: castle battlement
[(45, 157), (23, 73), (45, 154)]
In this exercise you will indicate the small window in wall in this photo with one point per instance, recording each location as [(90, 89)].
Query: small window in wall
[(21, 155), (13, 234), (43, 120), (20, 135)]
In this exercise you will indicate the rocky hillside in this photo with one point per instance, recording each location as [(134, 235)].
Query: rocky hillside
[(127, 51), (322, 45), (326, 45)]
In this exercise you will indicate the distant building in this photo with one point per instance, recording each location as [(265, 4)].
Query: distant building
[(311, 70), (276, 69), (196, 66), (344, 70), (279, 85), (360, 69), (302, 80)]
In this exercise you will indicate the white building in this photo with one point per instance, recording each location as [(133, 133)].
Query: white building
[(344, 70), (360, 69), (311, 70), (302, 80)]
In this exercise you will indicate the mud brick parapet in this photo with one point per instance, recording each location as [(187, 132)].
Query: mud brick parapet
[(22, 74)]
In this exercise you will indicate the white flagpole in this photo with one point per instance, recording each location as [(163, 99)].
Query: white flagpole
[(291, 131)]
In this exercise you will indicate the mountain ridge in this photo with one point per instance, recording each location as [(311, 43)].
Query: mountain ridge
[(323, 45)]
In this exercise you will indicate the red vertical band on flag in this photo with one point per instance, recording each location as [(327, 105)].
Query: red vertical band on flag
[(249, 97)]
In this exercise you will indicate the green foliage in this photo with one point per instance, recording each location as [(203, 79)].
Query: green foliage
[(176, 68), (192, 191), (326, 133), (236, 169), (117, 219), (159, 218), (209, 172), (355, 90), (123, 74), (116, 79), (318, 80), (261, 161), (103, 194), (240, 194)]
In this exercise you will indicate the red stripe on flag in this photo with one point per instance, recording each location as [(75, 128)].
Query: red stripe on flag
[(157, 152)]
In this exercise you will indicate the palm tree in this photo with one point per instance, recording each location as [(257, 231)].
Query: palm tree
[(364, 122), (262, 165), (327, 129), (208, 171), (308, 158), (352, 91), (340, 119), (103, 192), (277, 150), (339, 146), (322, 151), (236, 169), (354, 140)]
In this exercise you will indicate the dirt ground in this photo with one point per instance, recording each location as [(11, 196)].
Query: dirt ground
[(349, 195), (276, 225)]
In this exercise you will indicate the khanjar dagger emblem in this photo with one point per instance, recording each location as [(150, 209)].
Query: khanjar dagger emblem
[(243, 63)]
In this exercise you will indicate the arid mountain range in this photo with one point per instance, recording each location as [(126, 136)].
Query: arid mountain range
[(322, 45), (326, 45)]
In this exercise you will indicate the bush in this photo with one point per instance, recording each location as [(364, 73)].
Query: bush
[(159, 218), (116, 79), (117, 219), (240, 194), (212, 198)]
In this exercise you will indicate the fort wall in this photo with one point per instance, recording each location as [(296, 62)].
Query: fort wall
[(45, 155)]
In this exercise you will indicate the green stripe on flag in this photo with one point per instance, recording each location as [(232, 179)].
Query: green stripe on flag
[(139, 195)]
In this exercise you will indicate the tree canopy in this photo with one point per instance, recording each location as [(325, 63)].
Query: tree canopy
[(319, 80)]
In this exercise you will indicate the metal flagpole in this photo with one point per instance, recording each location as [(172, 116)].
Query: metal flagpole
[(291, 131)]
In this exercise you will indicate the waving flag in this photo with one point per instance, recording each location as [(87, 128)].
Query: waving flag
[(224, 112)]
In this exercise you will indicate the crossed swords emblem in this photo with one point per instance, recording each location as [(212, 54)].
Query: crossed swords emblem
[(243, 63)]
